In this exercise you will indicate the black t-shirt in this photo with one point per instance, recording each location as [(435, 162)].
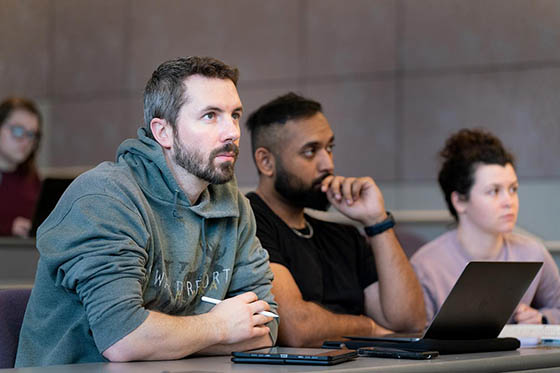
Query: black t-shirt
[(331, 268)]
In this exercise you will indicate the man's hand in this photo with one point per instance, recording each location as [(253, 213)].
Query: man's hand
[(238, 318), (398, 302), (21, 227), (358, 198), (229, 326), (525, 314)]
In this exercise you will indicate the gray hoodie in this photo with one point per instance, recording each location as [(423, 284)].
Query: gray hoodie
[(124, 239)]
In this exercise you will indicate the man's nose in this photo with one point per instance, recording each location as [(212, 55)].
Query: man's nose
[(231, 129), (326, 163)]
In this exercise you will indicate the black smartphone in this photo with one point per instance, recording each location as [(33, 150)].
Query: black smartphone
[(396, 353)]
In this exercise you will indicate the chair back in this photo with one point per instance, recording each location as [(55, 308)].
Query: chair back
[(409, 240), (12, 308)]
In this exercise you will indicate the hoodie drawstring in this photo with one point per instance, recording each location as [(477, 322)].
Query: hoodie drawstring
[(176, 215), (175, 212), (204, 245)]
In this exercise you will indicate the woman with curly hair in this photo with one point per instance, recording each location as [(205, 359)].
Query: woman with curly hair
[(479, 183)]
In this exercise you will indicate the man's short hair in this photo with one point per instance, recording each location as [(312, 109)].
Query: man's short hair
[(463, 152), (166, 92), (264, 122)]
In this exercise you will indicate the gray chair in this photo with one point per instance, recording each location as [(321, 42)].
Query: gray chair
[(12, 308), (409, 240)]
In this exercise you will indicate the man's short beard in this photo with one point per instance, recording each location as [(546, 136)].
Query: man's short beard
[(296, 193), (192, 161)]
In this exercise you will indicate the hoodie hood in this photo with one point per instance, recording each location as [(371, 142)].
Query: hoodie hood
[(144, 156)]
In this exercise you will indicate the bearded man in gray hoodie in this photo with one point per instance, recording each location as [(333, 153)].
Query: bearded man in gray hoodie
[(133, 245)]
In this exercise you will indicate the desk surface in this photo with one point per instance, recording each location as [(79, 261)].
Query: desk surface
[(509, 361), (16, 242)]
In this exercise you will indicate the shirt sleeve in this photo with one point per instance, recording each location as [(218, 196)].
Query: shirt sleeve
[(547, 296), (95, 249)]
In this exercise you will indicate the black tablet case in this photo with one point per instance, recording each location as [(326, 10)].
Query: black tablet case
[(255, 357), (443, 346)]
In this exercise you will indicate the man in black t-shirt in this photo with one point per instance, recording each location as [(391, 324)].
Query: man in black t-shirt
[(329, 280)]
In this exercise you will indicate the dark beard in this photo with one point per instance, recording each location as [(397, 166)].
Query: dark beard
[(292, 189), (193, 163)]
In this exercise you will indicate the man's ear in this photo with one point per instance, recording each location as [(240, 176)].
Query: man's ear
[(459, 202), (265, 161), (162, 132)]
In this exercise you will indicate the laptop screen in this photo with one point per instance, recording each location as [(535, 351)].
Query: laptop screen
[(482, 300), (51, 191)]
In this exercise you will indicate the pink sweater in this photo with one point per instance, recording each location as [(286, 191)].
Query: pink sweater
[(439, 263)]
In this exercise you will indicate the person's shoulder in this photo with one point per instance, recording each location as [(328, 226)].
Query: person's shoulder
[(435, 258), (522, 237), (524, 244), (242, 201), (95, 194), (108, 172), (260, 209), (254, 200), (107, 178)]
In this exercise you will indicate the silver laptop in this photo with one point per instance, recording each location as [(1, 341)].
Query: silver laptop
[(479, 305)]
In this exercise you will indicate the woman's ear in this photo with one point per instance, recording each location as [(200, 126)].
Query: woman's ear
[(265, 161), (162, 132), (459, 202)]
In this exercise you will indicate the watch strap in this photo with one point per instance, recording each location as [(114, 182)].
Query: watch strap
[(380, 227)]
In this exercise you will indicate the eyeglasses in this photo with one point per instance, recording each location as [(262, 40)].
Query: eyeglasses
[(19, 133)]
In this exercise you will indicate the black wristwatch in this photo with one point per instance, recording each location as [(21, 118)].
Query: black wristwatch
[(381, 227)]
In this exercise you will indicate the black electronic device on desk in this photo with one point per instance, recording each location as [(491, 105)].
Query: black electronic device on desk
[(290, 355), (472, 316), (396, 353), (51, 191)]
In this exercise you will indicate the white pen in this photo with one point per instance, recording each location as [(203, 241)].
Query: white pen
[(217, 301)]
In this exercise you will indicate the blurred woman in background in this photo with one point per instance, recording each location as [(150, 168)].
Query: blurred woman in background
[(20, 133), (479, 184)]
